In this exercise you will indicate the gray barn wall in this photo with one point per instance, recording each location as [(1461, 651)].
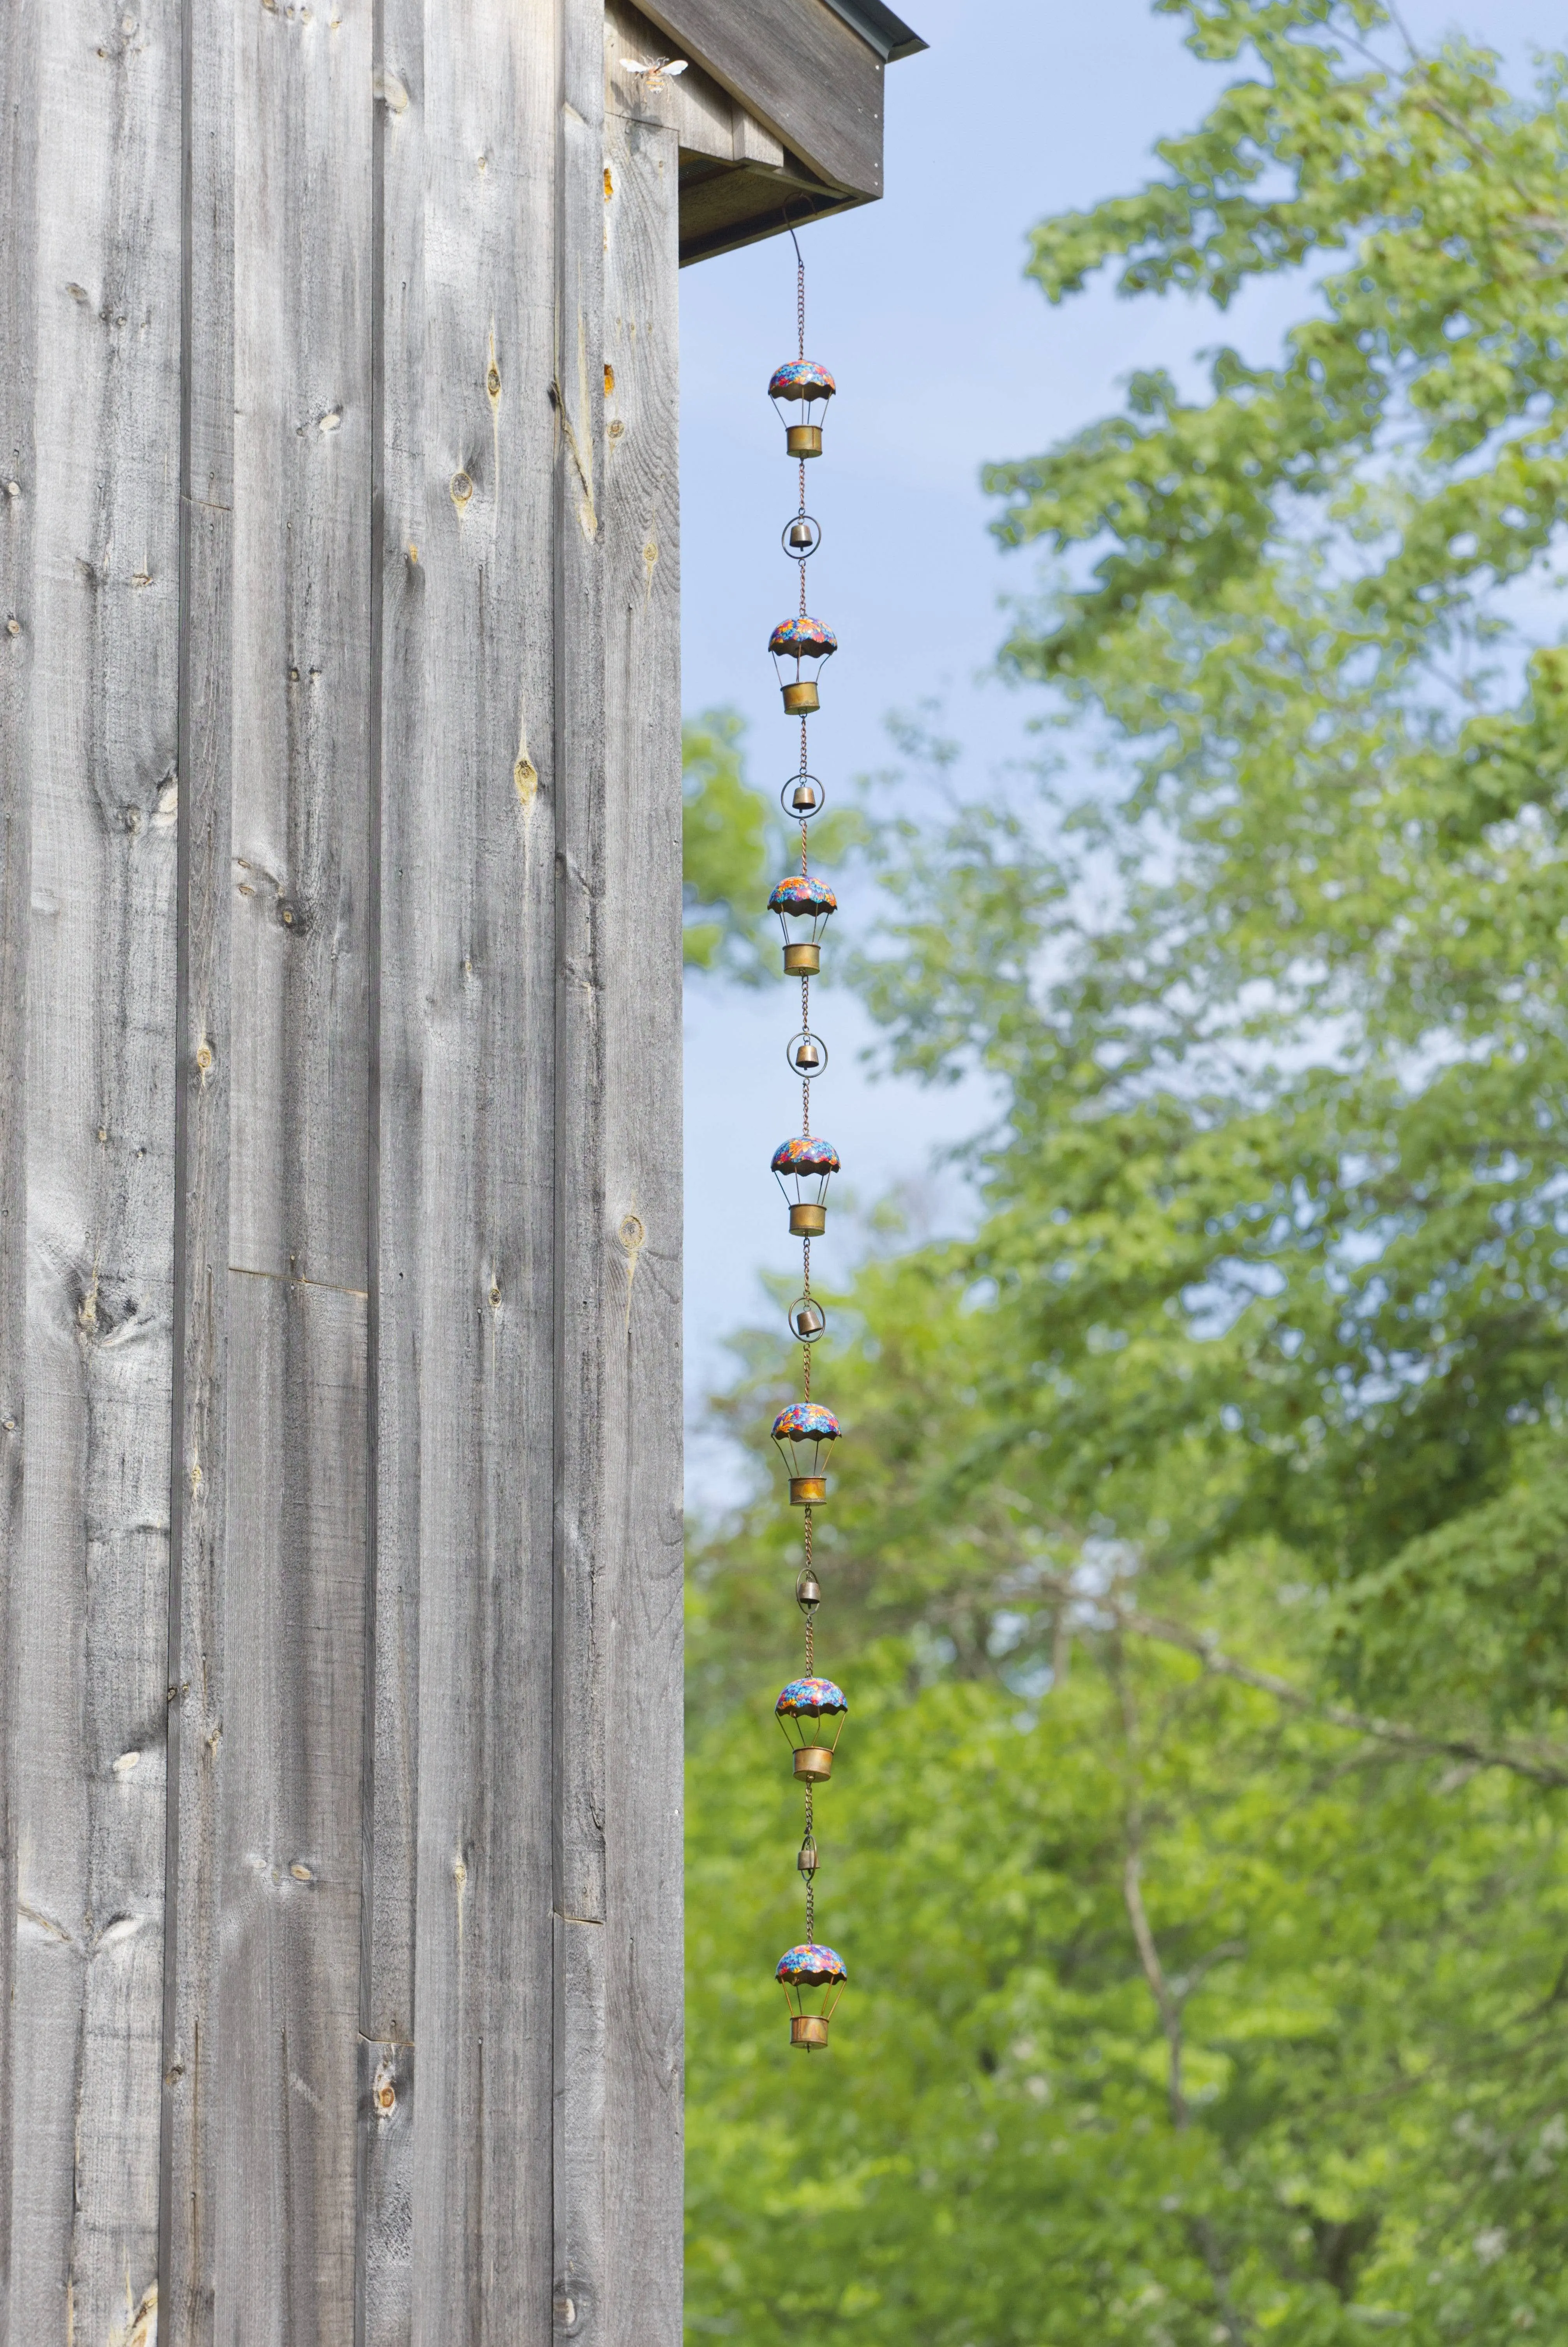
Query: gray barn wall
[(338, 1196)]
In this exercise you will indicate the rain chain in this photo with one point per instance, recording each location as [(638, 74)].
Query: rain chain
[(810, 1710)]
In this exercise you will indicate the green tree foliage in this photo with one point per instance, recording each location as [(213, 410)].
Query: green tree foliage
[(1215, 1987), (724, 849)]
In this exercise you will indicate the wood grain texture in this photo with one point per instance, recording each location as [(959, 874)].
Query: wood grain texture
[(387, 2106), (458, 2174), (95, 615), (198, 1499), (18, 342), (639, 1331), (799, 69), (580, 1203), (292, 1596)]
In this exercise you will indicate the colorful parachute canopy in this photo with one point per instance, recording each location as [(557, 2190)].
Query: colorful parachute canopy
[(803, 640), (806, 1155), (807, 1421), (800, 894), (805, 379), (813, 1695), (810, 1963)]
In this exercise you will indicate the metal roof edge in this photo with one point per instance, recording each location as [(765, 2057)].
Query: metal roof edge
[(888, 34)]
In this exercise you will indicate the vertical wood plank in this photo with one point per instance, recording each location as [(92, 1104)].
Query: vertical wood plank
[(192, 2069), (579, 1231), (642, 1533), (18, 341), (293, 1572), (387, 2096), (95, 760), (464, 1192)]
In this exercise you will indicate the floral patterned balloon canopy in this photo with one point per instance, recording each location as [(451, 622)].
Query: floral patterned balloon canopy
[(809, 1963), (803, 893), (807, 1421), (802, 639), (801, 379), (811, 1695), (808, 1154)]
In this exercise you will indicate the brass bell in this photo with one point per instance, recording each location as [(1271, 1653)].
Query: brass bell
[(802, 537), (806, 1319), (807, 1590), (806, 1860)]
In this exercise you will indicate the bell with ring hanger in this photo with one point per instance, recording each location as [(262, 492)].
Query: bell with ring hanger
[(807, 1056), (806, 1319), (800, 534), (802, 797), (806, 1857), (807, 1590)]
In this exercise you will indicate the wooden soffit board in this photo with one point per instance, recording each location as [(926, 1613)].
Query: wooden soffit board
[(739, 182), (800, 70)]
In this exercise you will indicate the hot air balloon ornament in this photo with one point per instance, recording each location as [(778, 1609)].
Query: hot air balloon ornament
[(804, 905), (805, 384), (804, 1434), (807, 644), (803, 1168), (812, 1979), (801, 1710)]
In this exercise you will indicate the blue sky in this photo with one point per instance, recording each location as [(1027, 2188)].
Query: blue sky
[(946, 357)]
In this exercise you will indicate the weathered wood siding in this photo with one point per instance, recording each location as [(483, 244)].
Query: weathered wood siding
[(339, 1179), (89, 516), (640, 1533)]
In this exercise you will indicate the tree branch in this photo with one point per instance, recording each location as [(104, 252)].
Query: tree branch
[(1170, 1999), (1544, 1767)]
